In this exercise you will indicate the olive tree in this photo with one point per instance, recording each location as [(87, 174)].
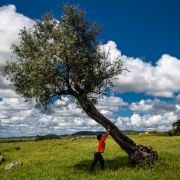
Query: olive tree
[(58, 58)]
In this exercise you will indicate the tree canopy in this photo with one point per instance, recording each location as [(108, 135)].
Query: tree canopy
[(61, 57)]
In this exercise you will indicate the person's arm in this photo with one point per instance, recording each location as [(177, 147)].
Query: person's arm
[(105, 136)]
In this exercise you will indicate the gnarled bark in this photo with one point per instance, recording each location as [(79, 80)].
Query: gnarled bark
[(137, 153)]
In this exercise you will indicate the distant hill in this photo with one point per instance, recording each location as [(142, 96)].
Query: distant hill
[(129, 132), (91, 133), (87, 133), (80, 133)]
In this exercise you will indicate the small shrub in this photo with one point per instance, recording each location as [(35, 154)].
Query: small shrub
[(17, 148)]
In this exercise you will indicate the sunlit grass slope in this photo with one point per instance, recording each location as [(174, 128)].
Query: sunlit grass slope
[(65, 159)]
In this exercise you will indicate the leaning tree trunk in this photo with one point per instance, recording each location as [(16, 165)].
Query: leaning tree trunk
[(137, 153)]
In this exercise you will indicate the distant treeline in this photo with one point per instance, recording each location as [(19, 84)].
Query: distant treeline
[(77, 134)]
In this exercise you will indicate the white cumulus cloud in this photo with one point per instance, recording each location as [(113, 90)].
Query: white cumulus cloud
[(160, 122), (10, 24), (161, 79), (153, 106), (20, 118)]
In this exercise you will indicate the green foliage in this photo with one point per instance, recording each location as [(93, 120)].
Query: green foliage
[(64, 159), (176, 129), (61, 57)]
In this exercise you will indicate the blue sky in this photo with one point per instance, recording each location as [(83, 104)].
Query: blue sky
[(145, 33), (145, 29)]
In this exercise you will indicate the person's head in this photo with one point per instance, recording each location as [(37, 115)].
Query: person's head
[(99, 136)]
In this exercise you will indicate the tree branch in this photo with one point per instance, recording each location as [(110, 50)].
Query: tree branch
[(65, 92)]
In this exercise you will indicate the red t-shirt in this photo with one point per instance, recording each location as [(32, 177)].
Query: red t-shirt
[(101, 143)]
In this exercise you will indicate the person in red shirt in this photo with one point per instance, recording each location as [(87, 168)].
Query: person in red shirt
[(99, 150)]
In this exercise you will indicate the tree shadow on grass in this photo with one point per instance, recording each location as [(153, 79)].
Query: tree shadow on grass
[(110, 164)]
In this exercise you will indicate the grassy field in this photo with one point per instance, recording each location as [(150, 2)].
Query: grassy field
[(65, 159)]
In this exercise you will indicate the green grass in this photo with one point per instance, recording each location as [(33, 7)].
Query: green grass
[(64, 159)]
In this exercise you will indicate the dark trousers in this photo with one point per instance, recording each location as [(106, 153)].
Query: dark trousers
[(97, 157)]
